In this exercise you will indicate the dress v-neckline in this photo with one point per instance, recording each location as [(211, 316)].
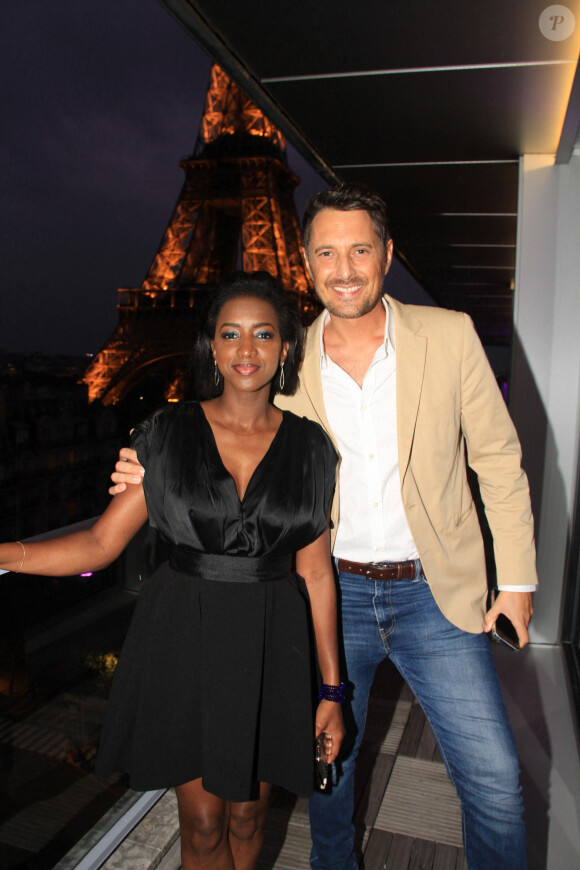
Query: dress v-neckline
[(229, 476)]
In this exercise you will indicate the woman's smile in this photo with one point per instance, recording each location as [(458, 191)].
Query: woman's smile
[(245, 368)]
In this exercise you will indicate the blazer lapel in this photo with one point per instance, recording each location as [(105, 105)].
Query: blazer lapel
[(411, 350), (310, 378)]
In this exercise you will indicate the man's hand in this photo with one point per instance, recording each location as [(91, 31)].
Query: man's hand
[(518, 608), (127, 470)]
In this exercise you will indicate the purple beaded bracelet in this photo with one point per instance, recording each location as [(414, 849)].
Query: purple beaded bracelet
[(331, 693)]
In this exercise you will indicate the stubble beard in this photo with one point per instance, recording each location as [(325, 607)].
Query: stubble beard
[(360, 308)]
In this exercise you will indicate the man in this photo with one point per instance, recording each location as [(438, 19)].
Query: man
[(401, 389)]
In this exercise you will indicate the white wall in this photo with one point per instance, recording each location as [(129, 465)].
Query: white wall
[(545, 381)]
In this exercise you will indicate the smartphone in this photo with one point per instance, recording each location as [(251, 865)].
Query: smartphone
[(320, 765), (503, 632)]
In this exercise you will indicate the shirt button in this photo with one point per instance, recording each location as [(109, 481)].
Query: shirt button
[(363, 407), (375, 504), (371, 455)]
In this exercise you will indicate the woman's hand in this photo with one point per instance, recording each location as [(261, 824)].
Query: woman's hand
[(313, 564), (329, 722)]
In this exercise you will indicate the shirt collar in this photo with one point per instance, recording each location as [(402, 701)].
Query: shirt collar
[(389, 334)]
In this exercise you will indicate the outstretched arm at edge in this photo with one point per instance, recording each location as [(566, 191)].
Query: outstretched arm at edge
[(88, 550)]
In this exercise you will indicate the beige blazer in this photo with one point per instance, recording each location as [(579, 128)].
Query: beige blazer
[(447, 398)]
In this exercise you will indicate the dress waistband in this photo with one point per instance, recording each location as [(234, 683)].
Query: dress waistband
[(235, 569)]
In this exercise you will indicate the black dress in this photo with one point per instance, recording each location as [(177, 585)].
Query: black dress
[(215, 677)]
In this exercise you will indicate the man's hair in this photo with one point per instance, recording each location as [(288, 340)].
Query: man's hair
[(349, 197), (257, 285)]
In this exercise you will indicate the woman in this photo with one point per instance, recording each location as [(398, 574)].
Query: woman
[(212, 694)]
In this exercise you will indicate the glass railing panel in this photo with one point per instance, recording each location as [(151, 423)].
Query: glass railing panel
[(59, 642)]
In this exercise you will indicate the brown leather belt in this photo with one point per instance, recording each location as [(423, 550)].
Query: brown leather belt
[(392, 571)]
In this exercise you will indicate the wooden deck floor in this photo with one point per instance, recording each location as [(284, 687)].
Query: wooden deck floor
[(407, 814)]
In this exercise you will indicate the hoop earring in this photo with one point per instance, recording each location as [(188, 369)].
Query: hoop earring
[(216, 374), (281, 376)]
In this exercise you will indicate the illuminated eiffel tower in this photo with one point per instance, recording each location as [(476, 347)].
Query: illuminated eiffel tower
[(236, 208)]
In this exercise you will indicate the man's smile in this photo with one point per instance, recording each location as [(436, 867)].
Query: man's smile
[(351, 288)]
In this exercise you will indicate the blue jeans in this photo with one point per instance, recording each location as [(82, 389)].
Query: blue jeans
[(453, 676)]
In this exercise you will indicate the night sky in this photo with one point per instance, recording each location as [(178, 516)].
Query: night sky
[(101, 100)]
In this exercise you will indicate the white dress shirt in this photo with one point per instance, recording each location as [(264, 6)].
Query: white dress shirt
[(373, 526)]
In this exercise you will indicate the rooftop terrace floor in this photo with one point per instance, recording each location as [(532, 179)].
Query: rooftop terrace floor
[(407, 814)]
